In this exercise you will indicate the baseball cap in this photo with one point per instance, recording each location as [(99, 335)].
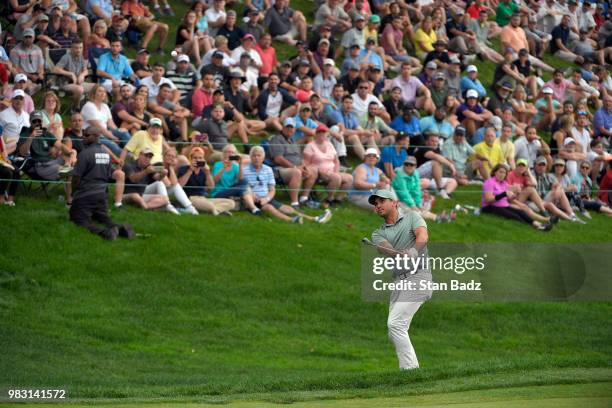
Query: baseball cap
[(304, 62), (248, 36), (217, 54), (371, 40), (471, 68), (439, 42), (322, 128), (439, 75), (460, 130), (235, 74), (142, 51), (329, 61), (559, 160), (541, 159), (21, 77), (155, 122), (581, 113), (382, 193), (375, 18), (471, 93), (323, 41), (524, 162), (410, 160), (359, 17), (496, 122), (371, 150), (245, 55), (286, 64), (183, 58), (459, 12), (231, 13), (28, 32), (147, 151), (431, 65), (305, 107), (355, 46), (36, 115), (454, 60), (43, 17), (289, 122), (353, 66), (506, 85), (568, 141), (18, 93), (547, 90), (523, 52)]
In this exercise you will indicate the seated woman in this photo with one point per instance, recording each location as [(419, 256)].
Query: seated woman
[(228, 176), (584, 185), (196, 179), (320, 156), (561, 179), (496, 198), (173, 187), (407, 186), (98, 39), (523, 111), (367, 177), (260, 179)]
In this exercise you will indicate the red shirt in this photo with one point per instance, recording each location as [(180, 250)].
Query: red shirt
[(605, 186), (268, 60), (514, 179), (199, 101), (474, 10)]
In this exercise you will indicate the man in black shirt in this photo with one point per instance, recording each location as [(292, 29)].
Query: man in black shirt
[(439, 55), (216, 68), (498, 102), (89, 182), (560, 40)]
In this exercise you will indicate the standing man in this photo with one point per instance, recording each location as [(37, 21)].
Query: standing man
[(90, 178), (404, 233)]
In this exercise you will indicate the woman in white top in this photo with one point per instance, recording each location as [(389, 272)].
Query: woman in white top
[(97, 113)]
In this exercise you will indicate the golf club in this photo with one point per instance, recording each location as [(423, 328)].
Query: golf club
[(368, 242)]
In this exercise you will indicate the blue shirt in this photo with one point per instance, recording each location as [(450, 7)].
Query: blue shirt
[(118, 68), (412, 128), (468, 83), (105, 5), (299, 122), (373, 59), (227, 180), (444, 128), (390, 155), (259, 181), (603, 118), (349, 120)]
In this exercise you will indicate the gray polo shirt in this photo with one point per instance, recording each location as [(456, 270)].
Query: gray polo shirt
[(216, 131), (280, 146)]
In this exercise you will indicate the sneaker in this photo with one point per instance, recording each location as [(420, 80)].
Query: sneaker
[(256, 211), (172, 209), (157, 11), (586, 214), (545, 227), (168, 11), (191, 210), (475, 182), (9, 203), (574, 218), (345, 169), (119, 207), (65, 171), (554, 219), (126, 231), (313, 204), (444, 195), (298, 219), (295, 206), (323, 218), (110, 234), (303, 200)]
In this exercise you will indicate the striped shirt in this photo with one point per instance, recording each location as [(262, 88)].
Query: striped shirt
[(259, 180), (184, 82)]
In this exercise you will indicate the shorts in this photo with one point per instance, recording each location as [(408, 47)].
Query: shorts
[(434, 186), (289, 35), (425, 170), (49, 170), (274, 203), (143, 24), (108, 85)]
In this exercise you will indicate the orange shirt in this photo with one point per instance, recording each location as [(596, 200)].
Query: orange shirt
[(515, 37), (134, 9)]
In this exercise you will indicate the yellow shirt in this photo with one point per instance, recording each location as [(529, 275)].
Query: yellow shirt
[(507, 149), (367, 33), (493, 153), (142, 139), (421, 36)]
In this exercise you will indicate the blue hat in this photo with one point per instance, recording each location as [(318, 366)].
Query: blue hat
[(289, 122)]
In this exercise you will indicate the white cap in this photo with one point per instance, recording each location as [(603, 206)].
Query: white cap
[(18, 92), (329, 61), (183, 58), (471, 93), (372, 150), (547, 90), (21, 77), (568, 141), (471, 68)]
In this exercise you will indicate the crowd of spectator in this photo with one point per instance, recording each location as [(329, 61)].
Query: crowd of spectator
[(378, 94)]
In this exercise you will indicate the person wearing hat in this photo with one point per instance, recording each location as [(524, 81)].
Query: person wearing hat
[(27, 58), (559, 176), (428, 73), (463, 156), (320, 157), (305, 127), (500, 100), (248, 47), (513, 38), (146, 183), (461, 40), (408, 123), (371, 56), (184, 78), (547, 109), (362, 100), (539, 38), (471, 114), (353, 36), (367, 178), (403, 232), (584, 186), (12, 120), (251, 23), (471, 81), (572, 154), (439, 55), (151, 139), (274, 104), (323, 83), (284, 23), (20, 81), (90, 179)]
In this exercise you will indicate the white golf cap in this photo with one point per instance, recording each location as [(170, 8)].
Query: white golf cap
[(21, 77), (471, 93), (547, 90), (17, 93), (183, 58), (329, 61), (568, 141), (373, 151), (155, 122), (471, 68)]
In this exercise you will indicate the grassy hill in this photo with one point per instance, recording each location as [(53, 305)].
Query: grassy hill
[(246, 308)]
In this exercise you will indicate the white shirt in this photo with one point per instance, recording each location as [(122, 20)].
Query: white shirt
[(585, 20), (213, 15), (360, 106), (91, 112), (583, 137), (274, 105), (12, 123), (227, 61), (250, 78), (256, 59), (154, 88)]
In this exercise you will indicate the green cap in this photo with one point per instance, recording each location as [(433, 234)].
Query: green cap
[(524, 162), (382, 193), (374, 18)]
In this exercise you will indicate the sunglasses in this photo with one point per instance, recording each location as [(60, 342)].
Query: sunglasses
[(408, 164), (371, 155), (363, 87), (559, 165), (585, 167), (541, 164)]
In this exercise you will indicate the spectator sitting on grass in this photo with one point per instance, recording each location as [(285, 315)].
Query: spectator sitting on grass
[(489, 151), (438, 124), (321, 157), (260, 179), (286, 155), (228, 175), (145, 187), (152, 138), (274, 104), (393, 156), (431, 166), (584, 186), (121, 110), (196, 179), (471, 114), (367, 178), (114, 68), (174, 115), (12, 120), (458, 151)]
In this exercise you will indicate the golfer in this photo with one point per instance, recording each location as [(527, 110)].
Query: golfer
[(404, 232)]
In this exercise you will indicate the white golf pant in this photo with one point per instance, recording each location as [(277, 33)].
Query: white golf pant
[(398, 323), (180, 195), (156, 188)]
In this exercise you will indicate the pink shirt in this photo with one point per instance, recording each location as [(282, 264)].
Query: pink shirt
[(268, 60), (199, 101), (495, 187), (409, 87), (323, 159), (397, 35), (515, 179), (560, 89)]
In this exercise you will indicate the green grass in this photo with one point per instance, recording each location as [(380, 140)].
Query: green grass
[(248, 309)]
